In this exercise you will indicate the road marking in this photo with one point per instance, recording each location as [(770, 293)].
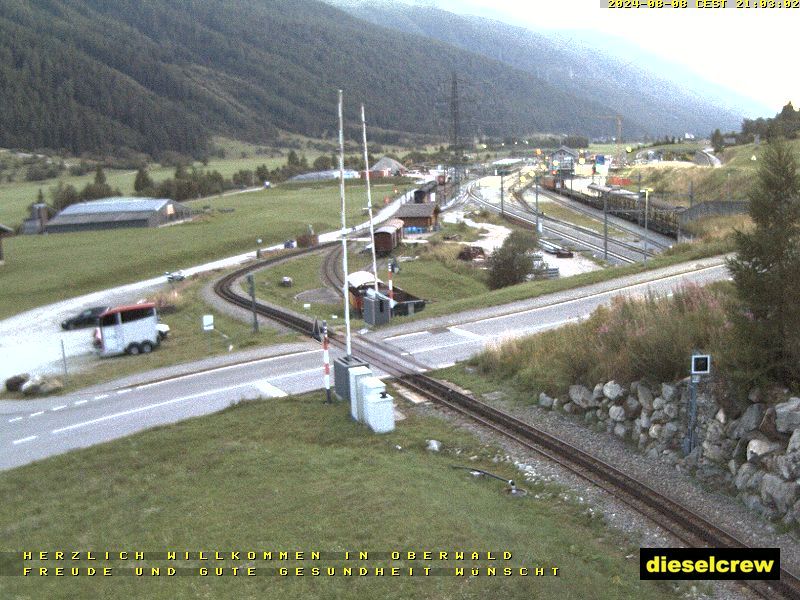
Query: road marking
[(296, 373), (62, 407), (101, 396), (23, 440), (15, 419), (266, 388), (465, 333), (36, 414), (133, 411), (226, 368), (79, 402), (125, 391)]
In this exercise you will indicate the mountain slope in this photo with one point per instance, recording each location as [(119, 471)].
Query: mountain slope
[(155, 75), (666, 106)]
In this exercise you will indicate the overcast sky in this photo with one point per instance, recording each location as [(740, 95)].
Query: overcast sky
[(754, 52)]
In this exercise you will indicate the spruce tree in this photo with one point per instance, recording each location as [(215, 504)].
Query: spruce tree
[(143, 184), (766, 272)]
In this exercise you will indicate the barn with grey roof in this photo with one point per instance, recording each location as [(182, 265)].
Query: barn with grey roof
[(115, 213)]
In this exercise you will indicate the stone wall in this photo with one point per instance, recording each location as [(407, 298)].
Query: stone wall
[(754, 454)]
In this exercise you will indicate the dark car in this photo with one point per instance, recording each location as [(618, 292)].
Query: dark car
[(85, 318)]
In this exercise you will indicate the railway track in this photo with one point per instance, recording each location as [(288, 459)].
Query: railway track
[(688, 526), (573, 206)]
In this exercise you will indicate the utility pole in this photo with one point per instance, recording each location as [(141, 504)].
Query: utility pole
[(502, 209), (455, 131), (536, 188), (605, 225)]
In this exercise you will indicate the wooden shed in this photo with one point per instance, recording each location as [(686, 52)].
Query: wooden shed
[(418, 218)]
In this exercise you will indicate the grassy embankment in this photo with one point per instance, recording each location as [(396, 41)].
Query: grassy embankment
[(291, 474), (43, 269)]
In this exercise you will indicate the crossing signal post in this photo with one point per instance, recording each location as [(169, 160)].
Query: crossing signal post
[(251, 284), (327, 363), (701, 365)]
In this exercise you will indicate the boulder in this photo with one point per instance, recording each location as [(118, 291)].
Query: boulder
[(31, 387), (782, 494), (768, 426), (714, 432), (788, 465), (556, 404), (671, 410), (755, 395), (720, 416), (597, 392), (659, 416), (743, 475), (645, 396), (545, 401), (644, 421), (582, 397), (621, 429), (787, 415), (749, 421), (668, 392), (569, 408), (14, 384), (658, 403), (760, 447), (669, 430), (616, 413), (632, 407), (655, 431), (712, 452), (794, 442), (434, 445), (612, 390)]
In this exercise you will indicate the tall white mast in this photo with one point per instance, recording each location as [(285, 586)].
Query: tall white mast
[(345, 289), (369, 198)]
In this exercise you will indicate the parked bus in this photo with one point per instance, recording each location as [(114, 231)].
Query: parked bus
[(128, 329)]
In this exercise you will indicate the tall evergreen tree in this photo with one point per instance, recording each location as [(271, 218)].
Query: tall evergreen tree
[(143, 183), (766, 271)]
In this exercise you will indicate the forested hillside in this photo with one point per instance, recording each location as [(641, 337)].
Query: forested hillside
[(156, 75), (668, 107)]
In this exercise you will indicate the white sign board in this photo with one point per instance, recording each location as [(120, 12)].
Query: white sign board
[(701, 364), (208, 322)]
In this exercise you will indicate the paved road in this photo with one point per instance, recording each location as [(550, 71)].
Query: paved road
[(31, 430)]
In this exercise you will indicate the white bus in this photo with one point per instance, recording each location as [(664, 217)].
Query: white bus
[(128, 329)]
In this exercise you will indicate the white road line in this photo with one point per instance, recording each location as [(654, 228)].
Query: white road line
[(148, 407), (15, 419), (405, 335), (266, 388), (465, 333), (36, 414), (227, 368), (23, 440), (101, 396), (297, 373), (79, 402), (125, 391), (62, 407)]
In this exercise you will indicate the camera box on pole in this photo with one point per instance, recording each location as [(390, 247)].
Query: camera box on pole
[(377, 310), (341, 378)]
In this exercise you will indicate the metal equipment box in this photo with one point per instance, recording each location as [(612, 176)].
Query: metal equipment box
[(341, 378)]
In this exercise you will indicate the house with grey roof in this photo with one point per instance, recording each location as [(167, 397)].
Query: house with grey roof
[(418, 217), (115, 213)]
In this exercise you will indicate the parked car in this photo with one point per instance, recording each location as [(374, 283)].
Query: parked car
[(85, 318), (174, 275)]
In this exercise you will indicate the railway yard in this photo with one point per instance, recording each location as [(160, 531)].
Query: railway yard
[(296, 289)]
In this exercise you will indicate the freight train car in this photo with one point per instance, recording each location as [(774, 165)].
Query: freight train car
[(661, 216), (388, 236)]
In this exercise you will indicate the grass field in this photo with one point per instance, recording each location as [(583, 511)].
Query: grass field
[(292, 474), (46, 268)]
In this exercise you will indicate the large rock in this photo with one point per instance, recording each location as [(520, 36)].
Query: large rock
[(767, 425), (794, 442), (668, 392), (612, 390), (659, 416), (632, 407), (645, 396), (582, 397), (744, 474), (782, 494), (658, 403), (545, 401), (788, 465), (749, 421), (712, 452), (32, 386), (655, 431), (616, 413), (621, 429), (669, 431), (597, 392), (15, 383), (671, 410), (759, 447), (714, 432), (787, 415)]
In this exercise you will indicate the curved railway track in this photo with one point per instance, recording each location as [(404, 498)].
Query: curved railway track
[(688, 526)]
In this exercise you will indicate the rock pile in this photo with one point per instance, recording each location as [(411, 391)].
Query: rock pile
[(754, 454)]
